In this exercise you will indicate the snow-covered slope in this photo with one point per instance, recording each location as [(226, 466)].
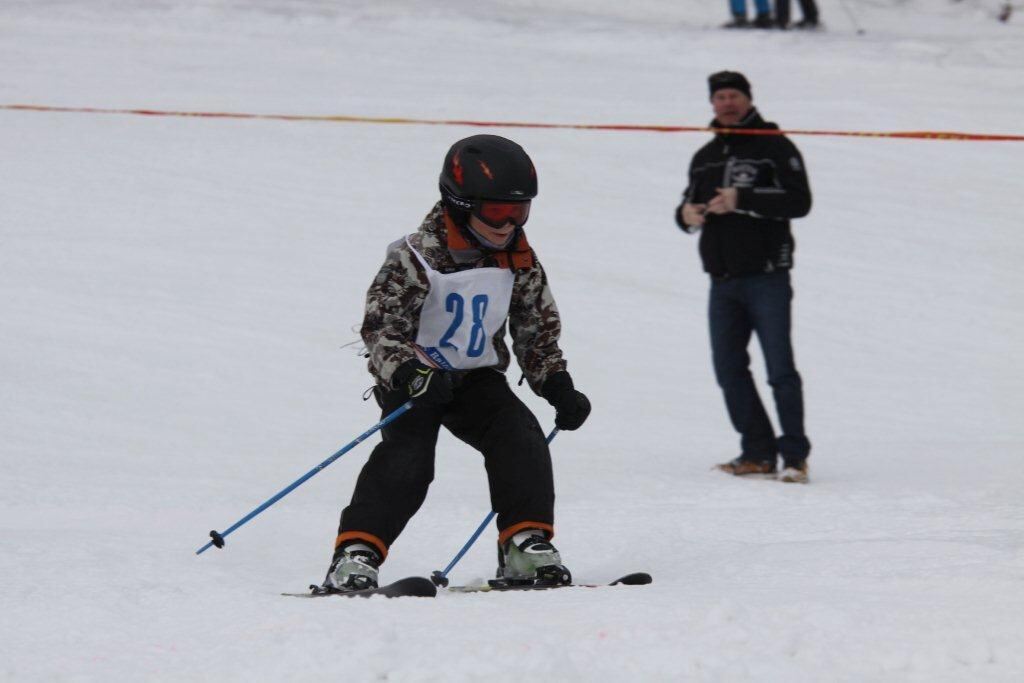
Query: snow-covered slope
[(176, 297)]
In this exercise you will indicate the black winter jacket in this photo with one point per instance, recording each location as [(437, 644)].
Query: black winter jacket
[(769, 173)]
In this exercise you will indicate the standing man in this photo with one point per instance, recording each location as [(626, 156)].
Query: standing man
[(743, 190), (435, 325)]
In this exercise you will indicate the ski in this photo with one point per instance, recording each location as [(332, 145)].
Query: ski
[(635, 579), (409, 587)]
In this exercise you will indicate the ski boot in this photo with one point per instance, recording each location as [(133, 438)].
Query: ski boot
[(529, 559), (353, 568)]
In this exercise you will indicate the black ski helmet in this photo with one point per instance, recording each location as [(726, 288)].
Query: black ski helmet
[(486, 167)]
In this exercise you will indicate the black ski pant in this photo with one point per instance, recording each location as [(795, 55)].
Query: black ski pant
[(807, 7), (485, 414)]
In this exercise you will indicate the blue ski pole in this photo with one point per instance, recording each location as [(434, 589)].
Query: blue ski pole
[(440, 578), (218, 538)]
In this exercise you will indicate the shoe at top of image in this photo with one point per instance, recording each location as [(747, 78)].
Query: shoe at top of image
[(737, 21), (807, 25)]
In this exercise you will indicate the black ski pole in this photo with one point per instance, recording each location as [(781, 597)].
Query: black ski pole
[(218, 537), (440, 578)]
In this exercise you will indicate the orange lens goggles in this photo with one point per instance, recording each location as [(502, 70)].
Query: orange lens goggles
[(498, 214)]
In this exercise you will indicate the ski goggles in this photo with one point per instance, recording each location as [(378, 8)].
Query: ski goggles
[(498, 214)]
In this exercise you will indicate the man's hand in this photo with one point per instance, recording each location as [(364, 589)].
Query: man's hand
[(693, 214), (725, 201)]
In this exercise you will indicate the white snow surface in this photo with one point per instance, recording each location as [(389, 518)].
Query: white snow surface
[(177, 296)]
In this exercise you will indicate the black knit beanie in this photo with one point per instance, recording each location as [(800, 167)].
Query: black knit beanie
[(729, 79)]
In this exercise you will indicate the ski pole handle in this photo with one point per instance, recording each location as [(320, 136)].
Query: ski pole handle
[(218, 537)]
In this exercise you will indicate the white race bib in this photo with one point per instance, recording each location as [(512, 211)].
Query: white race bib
[(462, 313)]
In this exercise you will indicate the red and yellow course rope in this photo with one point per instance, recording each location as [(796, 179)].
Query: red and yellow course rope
[(916, 135)]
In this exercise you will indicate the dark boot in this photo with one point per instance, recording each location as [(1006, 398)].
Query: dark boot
[(738, 21)]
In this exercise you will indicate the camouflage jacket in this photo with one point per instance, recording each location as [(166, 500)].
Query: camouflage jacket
[(395, 298)]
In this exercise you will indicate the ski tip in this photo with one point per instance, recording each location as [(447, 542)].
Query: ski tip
[(637, 579)]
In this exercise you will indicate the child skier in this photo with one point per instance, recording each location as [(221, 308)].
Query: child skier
[(434, 327)]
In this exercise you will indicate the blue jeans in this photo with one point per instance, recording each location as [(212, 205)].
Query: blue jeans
[(737, 308), (739, 7)]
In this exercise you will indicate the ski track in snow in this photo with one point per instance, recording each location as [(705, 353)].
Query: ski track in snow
[(176, 294)]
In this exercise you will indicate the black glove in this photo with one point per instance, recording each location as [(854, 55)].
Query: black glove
[(571, 407), (424, 385)]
